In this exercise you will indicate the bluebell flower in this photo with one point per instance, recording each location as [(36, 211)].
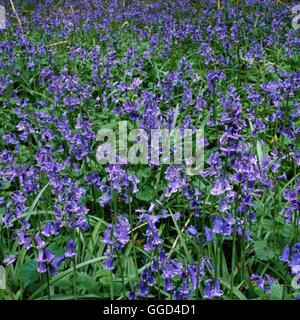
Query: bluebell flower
[(42, 267), (143, 289), (109, 263), (121, 230), (207, 291), (71, 249), (216, 290), (168, 285), (192, 231), (45, 255), (208, 234), (9, 260), (131, 295), (285, 254)]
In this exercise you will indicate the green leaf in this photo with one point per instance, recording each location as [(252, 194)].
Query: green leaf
[(263, 250), (5, 185), (63, 274), (29, 273), (259, 152), (147, 193), (2, 278), (86, 282), (260, 293), (235, 290), (2, 212), (36, 200), (287, 231), (182, 239), (276, 292), (268, 225), (57, 248), (144, 173)]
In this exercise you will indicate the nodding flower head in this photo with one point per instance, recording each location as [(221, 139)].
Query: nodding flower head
[(70, 249)]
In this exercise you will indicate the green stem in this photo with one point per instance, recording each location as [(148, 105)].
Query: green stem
[(48, 284), (233, 257), (74, 279)]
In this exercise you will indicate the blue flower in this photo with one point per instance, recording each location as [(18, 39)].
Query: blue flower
[(285, 254), (70, 249), (9, 260)]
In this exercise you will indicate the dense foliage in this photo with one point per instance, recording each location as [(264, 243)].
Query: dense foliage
[(72, 228)]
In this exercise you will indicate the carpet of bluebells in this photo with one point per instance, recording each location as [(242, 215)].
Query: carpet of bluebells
[(72, 228)]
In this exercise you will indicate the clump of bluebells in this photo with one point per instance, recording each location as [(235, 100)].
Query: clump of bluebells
[(115, 237), (149, 231)]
